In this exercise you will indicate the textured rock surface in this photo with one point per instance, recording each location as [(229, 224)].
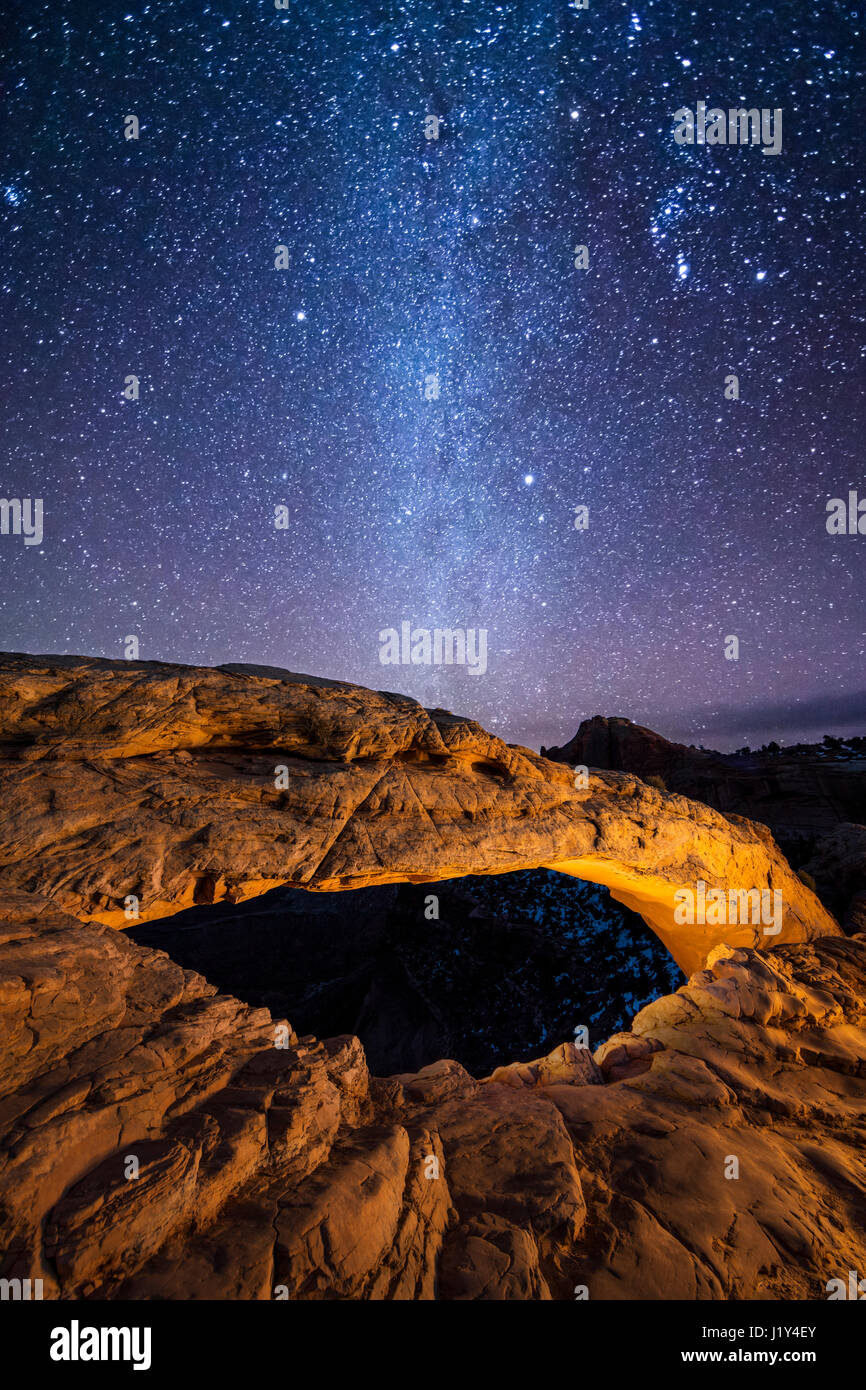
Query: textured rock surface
[(271, 1172), (161, 1140), (158, 781), (813, 798)]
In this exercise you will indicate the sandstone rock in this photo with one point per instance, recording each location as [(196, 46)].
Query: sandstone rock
[(370, 1225), (99, 809), (286, 1172), (269, 1165), (567, 1064)]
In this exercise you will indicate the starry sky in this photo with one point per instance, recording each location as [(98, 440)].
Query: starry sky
[(559, 387)]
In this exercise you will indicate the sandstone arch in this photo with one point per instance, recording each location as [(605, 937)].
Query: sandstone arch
[(157, 780)]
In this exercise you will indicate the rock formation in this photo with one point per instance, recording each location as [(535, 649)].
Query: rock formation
[(155, 1143), (164, 783), (802, 793), (161, 1140)]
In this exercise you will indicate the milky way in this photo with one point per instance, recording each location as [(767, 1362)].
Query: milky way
[(410, 257)]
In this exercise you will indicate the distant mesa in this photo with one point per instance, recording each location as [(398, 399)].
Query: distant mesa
[(619, 745)]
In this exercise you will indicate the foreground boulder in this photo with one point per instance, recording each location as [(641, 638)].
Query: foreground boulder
[(158, 1140), (166, 786)]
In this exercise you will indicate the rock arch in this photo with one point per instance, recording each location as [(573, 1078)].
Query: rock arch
[(158, 781)]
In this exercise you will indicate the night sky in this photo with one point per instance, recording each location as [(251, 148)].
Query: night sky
[(559, 387)]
